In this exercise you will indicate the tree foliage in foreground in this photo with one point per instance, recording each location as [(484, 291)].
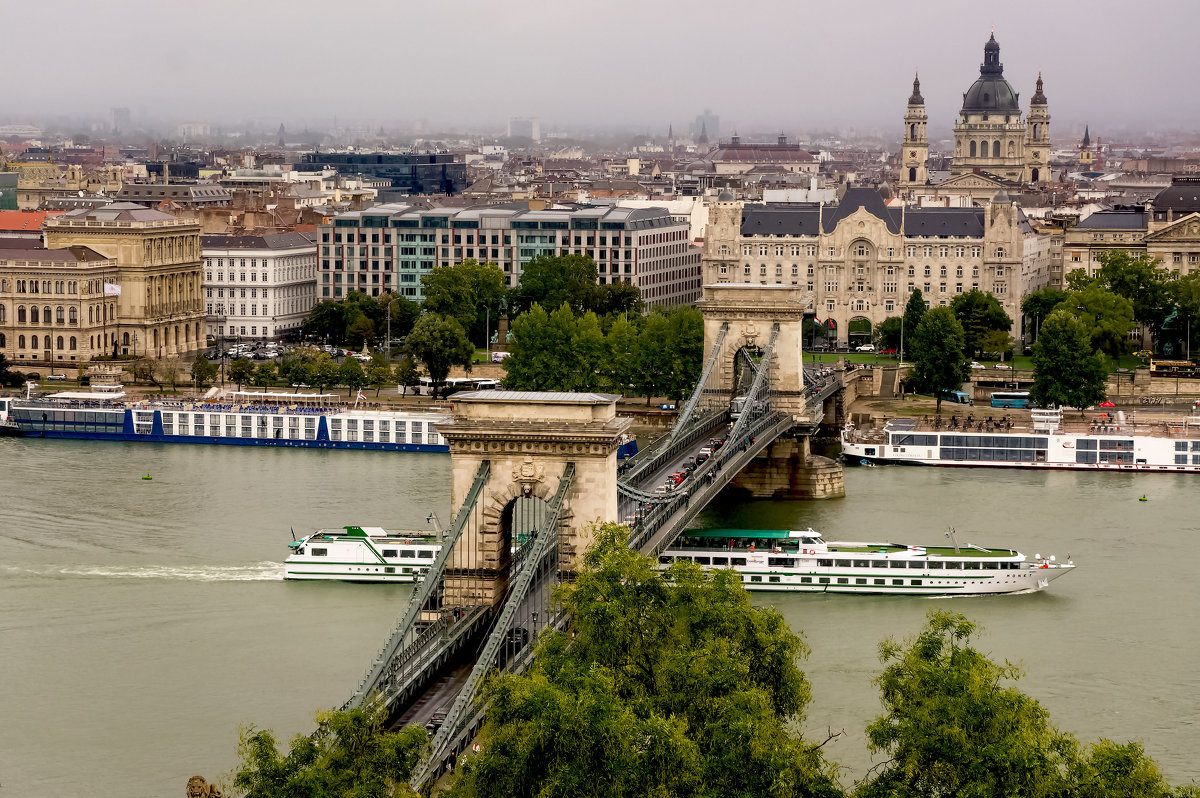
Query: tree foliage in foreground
[(663, 685), (439, 343), (351, 754)]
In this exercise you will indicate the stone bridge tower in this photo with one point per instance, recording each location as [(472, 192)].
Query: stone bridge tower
[(528, 437)]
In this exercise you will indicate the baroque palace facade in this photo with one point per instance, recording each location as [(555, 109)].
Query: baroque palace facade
[(861, 260), (160, 308)]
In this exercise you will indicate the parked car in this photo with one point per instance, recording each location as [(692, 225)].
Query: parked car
[(976, 365), (1004, 366), (865, 348), (891, 350)]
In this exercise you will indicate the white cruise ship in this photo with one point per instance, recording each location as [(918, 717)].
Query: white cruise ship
[(803, 561), (362, 554), (1049, 440)]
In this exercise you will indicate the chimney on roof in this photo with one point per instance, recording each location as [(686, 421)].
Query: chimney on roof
[(782, 139)]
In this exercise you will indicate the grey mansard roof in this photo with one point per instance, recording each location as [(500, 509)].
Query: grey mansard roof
[(1114, 220), (785, 219)]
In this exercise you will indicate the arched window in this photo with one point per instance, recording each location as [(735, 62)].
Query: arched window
[(995, 149), (3, 286), (74, 344), (912, 174), (21, 314), (33, 314), (46, 315), (74, 315), (125, 339), (33, 342), (91, 342), (1037, 130), (60, 342), (91, 314), (3, 342), (20, 341), (972, 149), (1012, 149), (912, 130), (983, 149), (1034, 175), (3, 314), (60, 315)]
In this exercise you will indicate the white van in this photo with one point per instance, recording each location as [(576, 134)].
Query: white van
[(498, 357)]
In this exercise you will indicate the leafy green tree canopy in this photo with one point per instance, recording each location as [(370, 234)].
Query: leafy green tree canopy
[(1066, 372), (551, 280), (439, 343), (351, 374), (979, 313), (351, 754), (888, 332), (1107, 316), (407, 373), (937, 354), (914, 311), (1139, 279), (663, 685), (465, 292), (241, 371), (203, 372)]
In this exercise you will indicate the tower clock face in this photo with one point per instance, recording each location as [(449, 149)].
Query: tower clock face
[(912, 153)]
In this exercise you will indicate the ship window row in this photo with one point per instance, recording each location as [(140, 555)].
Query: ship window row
[(841, 580), (909, 439), (994, 441), (1104, 457), (994, 455), (1182, 446), (245, 426), (69, 417), (1092, 444), (921, 565)]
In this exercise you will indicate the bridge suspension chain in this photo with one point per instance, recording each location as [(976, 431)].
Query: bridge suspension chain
[(422, 592), (544, 547)]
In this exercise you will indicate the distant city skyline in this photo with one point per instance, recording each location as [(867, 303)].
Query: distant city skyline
[(763, 65)]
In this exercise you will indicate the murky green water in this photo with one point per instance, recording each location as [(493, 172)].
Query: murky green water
[(141, 623)]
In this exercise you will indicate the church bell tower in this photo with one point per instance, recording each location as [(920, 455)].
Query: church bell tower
[(1037, 141), (914, 154)]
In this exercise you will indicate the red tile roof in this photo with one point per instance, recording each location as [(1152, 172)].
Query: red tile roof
[(24, 220)]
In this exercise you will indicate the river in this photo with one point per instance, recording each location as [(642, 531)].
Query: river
[(143, 622)]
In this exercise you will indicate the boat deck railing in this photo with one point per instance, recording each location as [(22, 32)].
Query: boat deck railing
[(214, 407), (1100, 424)]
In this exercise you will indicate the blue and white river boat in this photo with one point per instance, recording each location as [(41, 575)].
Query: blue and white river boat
[(246, 418)]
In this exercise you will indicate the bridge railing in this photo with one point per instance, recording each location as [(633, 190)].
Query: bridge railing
[(510, 640), (422, 619)]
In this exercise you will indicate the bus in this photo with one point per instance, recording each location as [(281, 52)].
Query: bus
[(1010, 399), (957, 397), (1173, 368)]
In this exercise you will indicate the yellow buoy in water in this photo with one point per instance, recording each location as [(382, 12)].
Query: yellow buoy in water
[(1143, 499), (147, 477)]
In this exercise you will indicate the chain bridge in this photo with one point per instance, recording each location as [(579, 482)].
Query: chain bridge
[(532, 472)]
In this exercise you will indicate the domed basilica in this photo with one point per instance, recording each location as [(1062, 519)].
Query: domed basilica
[(994, 146)]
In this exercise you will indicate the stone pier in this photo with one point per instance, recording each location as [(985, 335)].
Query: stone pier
[(789, 470)]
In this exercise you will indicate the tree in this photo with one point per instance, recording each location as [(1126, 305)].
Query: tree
[(1107, 316), (551, 280), (359, 331), (322, 372), (888, 332), (8, 378), (914, 311), (1139, 279), (937, 351), (404, 314), (241, 371), (951, 727), (265, 375), (979, 313), (465, 292), (617, 299), (203, 372), (378, 374), (662, 685), (407, 374), (326, 321), (1041, 303), (655, 357), (350, 374), (1065, 370), (685, 328), (621, 355), (439, 343), (352, 753), (542, 352)]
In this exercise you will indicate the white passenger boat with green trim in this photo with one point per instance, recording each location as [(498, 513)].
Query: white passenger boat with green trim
[(792, 560), (362, 554)]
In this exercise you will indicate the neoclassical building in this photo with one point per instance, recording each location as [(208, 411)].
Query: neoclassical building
[(160, 308), (860, 260), (995, 147)]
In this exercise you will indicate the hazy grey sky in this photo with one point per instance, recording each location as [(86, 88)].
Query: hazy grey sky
[(644, 63)]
